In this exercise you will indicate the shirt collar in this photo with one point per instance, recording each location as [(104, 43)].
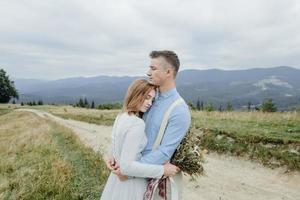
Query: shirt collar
[(164, 95)]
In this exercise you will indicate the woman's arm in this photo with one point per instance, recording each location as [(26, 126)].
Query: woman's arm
[(108, 156), (130, 151)]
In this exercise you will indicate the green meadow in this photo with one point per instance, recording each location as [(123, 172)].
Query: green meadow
[(40, 159), (272, 139)]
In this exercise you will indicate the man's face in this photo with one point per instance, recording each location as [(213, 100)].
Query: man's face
[(157, 72)]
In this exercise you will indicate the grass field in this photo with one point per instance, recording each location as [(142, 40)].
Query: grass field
[(41, 160), (95, 116), (4, 109), (272, 139)]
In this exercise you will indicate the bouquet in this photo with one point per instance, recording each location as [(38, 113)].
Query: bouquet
[(188, 156)]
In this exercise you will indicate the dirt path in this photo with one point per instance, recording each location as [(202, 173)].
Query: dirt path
[(227, 177)]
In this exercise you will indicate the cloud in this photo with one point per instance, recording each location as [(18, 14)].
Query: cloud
[(56, 39)]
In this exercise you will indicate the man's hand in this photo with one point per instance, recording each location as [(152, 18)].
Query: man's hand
[(170, 169)]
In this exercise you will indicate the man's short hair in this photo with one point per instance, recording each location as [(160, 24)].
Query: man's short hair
[(170, 56)]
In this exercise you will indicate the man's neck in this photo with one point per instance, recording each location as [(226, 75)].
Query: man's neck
[(167, 87)]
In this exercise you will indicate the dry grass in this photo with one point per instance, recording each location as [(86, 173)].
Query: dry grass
[(42, 160), (276, 126), (95, 116), (270, 138), (6, 108)]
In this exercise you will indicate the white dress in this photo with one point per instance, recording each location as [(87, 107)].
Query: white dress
[(128, 141)]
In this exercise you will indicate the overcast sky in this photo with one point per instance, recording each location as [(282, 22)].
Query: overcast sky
[(52, 39)]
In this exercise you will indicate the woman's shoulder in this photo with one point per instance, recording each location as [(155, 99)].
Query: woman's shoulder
[(131, 119)]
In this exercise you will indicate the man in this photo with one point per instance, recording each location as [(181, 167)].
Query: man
[(162, 72)]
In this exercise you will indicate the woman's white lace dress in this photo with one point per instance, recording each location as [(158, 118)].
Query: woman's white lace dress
[(128, 141)]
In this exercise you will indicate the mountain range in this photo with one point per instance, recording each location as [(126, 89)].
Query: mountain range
[(219, 87)]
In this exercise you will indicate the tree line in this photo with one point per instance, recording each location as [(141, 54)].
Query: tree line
[(267, 106), (30, 103), (84, 103)]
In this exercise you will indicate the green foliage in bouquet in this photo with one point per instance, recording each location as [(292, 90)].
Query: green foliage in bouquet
[(188, 156)]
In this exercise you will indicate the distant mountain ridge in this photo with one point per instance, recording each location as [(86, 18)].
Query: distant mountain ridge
[(213, 85)]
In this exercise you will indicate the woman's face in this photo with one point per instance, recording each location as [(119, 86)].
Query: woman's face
[(148, 101)]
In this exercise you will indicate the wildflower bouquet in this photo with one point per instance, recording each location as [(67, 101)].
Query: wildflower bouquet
[(188, 156)]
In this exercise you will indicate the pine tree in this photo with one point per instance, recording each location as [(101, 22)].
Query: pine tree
[(81, 104), (268, 106), (191, 105), (209, 107), (86, 103), (93, 105), (40, 102), (249, 106), (220, 108), (198, 104), (229, 106)]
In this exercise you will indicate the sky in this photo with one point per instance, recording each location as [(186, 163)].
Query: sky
[(54, 39)]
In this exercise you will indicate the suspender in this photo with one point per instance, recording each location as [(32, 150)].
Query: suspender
[(164, 122)]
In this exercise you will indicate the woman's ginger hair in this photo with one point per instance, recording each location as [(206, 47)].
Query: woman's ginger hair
[(136, 95)]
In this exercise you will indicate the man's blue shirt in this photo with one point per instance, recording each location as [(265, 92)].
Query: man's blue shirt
[(177, 126)]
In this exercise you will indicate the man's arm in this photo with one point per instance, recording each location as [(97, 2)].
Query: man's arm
[(176, 129)]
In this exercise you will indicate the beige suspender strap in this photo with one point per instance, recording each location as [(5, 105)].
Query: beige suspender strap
[(164, 123)]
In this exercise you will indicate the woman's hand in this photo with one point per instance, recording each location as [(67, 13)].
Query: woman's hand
[(111, 163), (170, 170), (120, 175)]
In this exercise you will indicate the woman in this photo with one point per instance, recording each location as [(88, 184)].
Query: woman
[(128, 141)]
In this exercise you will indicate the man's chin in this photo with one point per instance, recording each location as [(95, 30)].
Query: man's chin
[(152, 82)]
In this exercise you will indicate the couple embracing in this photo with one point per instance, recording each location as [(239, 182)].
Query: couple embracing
[(146, 134)]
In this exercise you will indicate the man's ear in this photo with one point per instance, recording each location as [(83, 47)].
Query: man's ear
[(169, 71)]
